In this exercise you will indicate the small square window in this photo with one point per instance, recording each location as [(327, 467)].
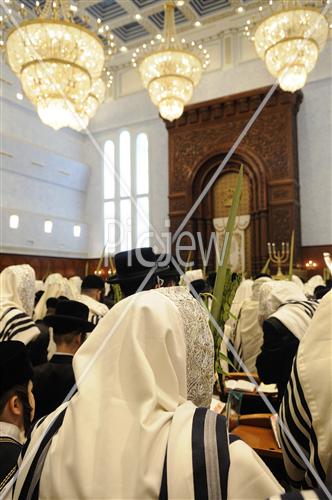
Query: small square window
[(77, 231), (14, 221), (48, 226)]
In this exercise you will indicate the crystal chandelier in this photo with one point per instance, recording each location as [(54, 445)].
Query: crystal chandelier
[(59, 64), (172, 70), (289, 41)]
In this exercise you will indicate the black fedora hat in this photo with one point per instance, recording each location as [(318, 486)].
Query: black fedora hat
[(133, 265), (91, 281), (200, 286), (15, 366), (167, 269), (70, 315)]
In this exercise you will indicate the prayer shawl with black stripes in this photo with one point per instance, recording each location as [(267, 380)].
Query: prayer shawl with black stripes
[(135, 375), (307, 404), (283, 331), (212, 450), (296, 315), (97, 310), (273, 294), (318, 494), (17, 292)]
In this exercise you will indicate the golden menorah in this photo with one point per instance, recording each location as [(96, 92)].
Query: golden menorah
[(278, 257)]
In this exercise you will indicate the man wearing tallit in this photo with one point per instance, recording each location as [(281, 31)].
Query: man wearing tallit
[(92, 289), (306, 408), (285, 314), (17, 295), (133, 430), (56, 286), (247, 336)]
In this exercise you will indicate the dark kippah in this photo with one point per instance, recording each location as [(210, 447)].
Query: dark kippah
[(51, 303), (15, 367), (320, 291), (92, 282)]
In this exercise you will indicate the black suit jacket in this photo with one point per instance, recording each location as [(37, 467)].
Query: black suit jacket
[(52, 383), (9, 453), (274, 363)]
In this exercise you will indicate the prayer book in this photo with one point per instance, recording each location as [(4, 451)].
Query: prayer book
[(240, 385)]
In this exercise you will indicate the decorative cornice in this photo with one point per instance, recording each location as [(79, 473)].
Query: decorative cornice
[(237, 104)]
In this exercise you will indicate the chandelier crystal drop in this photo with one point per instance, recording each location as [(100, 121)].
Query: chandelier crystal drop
[(59, 64), (172, 70), (289, 41)]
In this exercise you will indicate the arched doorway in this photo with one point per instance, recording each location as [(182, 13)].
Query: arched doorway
[(217, 203)]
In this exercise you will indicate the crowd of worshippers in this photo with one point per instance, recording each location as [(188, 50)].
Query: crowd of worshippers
[(112, 400)]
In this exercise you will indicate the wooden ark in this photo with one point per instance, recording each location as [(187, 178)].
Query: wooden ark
[(200, 139)]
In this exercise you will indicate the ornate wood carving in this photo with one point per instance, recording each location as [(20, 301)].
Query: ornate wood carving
[(200, 139)]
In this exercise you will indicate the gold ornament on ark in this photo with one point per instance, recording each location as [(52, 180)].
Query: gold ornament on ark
[(290, 40), (59, 64), (172, 70)]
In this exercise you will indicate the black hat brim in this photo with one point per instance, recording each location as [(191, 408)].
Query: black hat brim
[(128, 278), (61, 320), (169, 273)]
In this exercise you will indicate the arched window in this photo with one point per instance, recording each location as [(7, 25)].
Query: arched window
[(142, 190), (109, 197), (126, 192)]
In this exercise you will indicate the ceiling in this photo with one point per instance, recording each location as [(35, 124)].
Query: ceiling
[(132, 21)]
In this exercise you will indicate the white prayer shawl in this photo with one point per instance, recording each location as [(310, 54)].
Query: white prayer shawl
[(307, 404), (301, 495), (312, 283), (17, 294), (132, 395), (247, 335), (55, 286), (296, 316), (275, 293), (97, 310), (298, 282), (243, 292), (257, 286), (195, 274), (39, 286), (75, 283)]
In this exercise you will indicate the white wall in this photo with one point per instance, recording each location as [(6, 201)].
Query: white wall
[(42, 177), (315, 159)]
